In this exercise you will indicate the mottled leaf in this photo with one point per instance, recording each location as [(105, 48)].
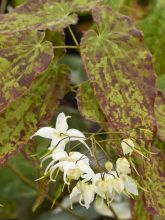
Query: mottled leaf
[(120, 68), (88, 104), (43, 14), (115, 4), (153, 27), (138, 209), (22, 118), (23, 56), (160, 115), (154, 183)]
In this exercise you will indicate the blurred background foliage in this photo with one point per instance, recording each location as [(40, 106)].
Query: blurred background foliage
[(17, 187)]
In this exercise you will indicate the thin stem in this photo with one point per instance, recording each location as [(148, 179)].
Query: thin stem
[(32, 185), (59, 47), (73, 36)]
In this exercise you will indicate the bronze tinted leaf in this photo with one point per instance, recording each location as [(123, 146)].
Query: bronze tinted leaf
[(22, 118), (160, 115), (44, 14), (23, 56), (88, 104), (120, 68), (154, 183)]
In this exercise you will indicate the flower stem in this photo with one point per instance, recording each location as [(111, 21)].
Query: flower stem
[(73, 36), (65, 46)]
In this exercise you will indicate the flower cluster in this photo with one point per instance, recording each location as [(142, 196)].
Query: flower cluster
[(76, 166)]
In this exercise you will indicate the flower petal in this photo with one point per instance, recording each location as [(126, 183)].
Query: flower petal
[(131, 186), (75, 134), (61, 122), (74, 195), (57, 142), (45, 132), (58, 154), (88, 195)]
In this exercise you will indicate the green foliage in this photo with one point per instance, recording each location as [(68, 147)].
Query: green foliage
[(36, 108), (88, 104), (21, 60), (154, 183), (160, 115), (120, 94), (153, 27), (120, 68), (44, 14)]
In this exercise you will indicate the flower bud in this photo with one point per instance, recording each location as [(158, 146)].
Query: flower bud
[(127, 146), (108, 166)]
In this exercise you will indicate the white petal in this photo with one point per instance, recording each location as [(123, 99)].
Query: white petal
[(58, 154), (102, 208), (88, 195), (45, 132), (127, 146), (131, 186), (87, 170), (75, 134), (57, 142), (74, 194), (61, 122)]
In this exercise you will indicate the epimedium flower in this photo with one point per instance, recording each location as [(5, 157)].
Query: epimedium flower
[(61, 135), (127, 146), (123, 170), (73, 165), (123, 166), (85, 192)]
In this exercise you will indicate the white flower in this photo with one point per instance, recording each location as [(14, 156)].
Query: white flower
[(73, 165), (127, 146), (123, 166), (61, 135), (130, 185), (85, 192), (108, 166)]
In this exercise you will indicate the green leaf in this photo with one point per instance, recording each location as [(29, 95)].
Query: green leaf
[(44, 14), (115, 4), (88, 104), (22, 118), (154, 183), (120, 68), (138, 209), (153, 27), (23, 56), (160, 115)]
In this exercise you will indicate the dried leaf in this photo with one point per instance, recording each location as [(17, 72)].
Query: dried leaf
[(120, 68), (23, 56), (22, 118)]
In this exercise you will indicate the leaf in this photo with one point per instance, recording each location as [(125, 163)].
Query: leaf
[(115, 4), (154, 183), (138, 210), (160, 115), (22, 118), (120, 68), (153, 27), (88, 104), (42, 186), (44, 14), (23, 56)]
